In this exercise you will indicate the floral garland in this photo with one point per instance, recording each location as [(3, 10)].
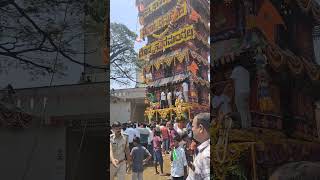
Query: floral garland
[(163, 112), (149, 114), (234, 152), (199, 57), (180, 55), (278, 57), (178, 110), (201, 81)]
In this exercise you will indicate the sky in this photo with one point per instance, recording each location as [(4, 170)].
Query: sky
[(125, 12), (20, 78)]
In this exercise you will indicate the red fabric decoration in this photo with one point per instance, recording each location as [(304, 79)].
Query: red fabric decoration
[(194, 16), (193, 68), (267, 18)]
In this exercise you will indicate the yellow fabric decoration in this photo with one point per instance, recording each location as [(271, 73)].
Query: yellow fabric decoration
[(182, 35), (168, 60), (266, 104), (164, 21), (157, 65), (152, 7), (163, 113)]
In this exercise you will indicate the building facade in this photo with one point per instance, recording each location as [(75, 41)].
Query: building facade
[(127, 105), (68, 133)]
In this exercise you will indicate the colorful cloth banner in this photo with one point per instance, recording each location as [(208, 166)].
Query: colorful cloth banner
[(180, 55), (152, 7), (164, 20), (182, 35)]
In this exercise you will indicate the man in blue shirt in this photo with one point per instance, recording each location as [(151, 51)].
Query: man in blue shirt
[(138, 154)]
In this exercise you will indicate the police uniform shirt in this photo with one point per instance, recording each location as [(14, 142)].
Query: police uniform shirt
[(118, 146)]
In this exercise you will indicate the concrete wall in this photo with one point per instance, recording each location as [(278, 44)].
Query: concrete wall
[(16, 149), (71, 102), (123, 111), (131, 93), (90, 163), (127, 104), (64, 100), (138, 116), (120, 111)]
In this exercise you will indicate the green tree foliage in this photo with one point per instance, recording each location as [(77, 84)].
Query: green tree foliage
[(123, 58)]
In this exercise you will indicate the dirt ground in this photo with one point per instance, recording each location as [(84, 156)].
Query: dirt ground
[(148, 173)]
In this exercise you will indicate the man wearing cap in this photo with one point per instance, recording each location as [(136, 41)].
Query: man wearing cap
[(119, 151)]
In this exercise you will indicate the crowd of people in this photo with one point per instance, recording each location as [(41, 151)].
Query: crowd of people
[(133, 145)]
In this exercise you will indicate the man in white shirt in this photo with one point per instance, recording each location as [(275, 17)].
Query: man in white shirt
[(201, 133), (150, 138), (185, 88), (241, 79), (131, 134), (144, 135), (179, 161), (179, 130), (163, 99), (169, 98), (150, 134), (136, 131)]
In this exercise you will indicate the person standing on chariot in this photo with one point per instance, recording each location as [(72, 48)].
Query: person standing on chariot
[(185, 88), (163, 100), (241, 81)]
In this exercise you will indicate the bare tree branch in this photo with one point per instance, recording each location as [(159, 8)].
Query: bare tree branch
[(4, 3), (50, 40), (12, 55)]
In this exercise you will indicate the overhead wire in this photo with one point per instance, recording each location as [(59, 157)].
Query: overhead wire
[(36, 139)]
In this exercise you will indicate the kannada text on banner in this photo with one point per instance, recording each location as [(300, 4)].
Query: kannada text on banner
[(153, 7), (182, 35), (164, 20)]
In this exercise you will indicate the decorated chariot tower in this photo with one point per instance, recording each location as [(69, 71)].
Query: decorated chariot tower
[(175, 58), (265, 82)]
